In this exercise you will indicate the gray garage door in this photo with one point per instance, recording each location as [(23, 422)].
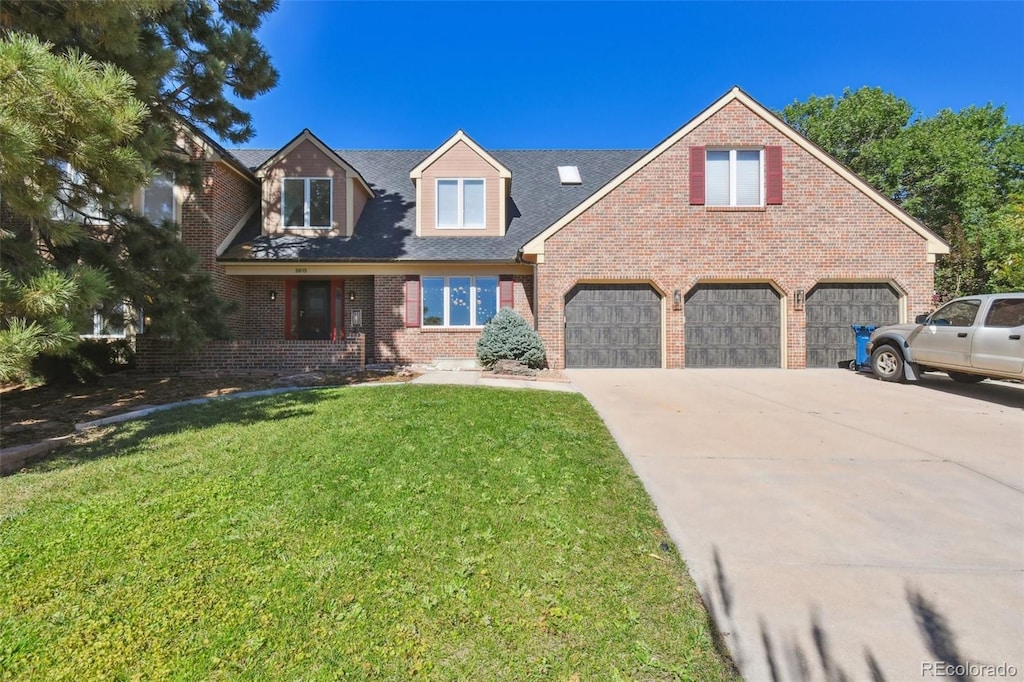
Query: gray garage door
[(733, 325), (612, 325), (832, 308)]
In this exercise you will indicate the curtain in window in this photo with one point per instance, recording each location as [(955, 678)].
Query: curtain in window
[(473, 203), (717, 174), (748, 178), (448, 203)]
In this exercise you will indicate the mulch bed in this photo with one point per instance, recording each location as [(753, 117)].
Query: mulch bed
[(32, 414)]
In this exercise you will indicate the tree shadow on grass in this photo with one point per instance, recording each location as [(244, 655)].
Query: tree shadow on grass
[(124, 439), (789, 661)]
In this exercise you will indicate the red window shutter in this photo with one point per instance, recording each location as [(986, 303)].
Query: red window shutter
[(697, 159), (506, 292), (412, 301), (773, 176), (289, 292)]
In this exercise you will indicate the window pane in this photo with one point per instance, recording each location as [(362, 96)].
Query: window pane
[(717, 178), (433, 301), (748, 178), (320, 203), (957, 313), (1006, 312), (293, 202), (158, 199), (486, 299), (458, 301), (473, 202), (448, 203)]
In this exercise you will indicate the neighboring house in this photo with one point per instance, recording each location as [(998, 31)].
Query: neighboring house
[(734, 243)]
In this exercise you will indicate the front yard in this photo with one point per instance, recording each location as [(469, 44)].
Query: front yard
[(380, 532)]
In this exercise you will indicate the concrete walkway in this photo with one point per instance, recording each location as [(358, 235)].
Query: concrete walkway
[(838, 527), (476, 378)]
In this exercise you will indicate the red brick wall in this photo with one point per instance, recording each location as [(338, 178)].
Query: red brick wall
[(396, 343), (208, 216), (257, 356), (645, 230)]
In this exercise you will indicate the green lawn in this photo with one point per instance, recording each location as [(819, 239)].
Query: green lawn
[(382, 532)]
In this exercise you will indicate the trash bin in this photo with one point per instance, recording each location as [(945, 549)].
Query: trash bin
[(862, 332)]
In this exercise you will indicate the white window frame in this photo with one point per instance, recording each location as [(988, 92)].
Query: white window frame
[(174, 198), (446, 322), (305, 205), (461, 223), (732, 175), (99, 323)]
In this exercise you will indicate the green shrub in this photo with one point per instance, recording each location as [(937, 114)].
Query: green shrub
[(509, 337)]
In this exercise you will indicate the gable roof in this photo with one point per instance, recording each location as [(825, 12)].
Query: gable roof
[(214, 151), (935, 244), (387, 227), (417, 172), (307, 136)]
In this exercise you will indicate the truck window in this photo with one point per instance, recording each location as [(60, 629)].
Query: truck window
[(957, 313), (1006, 312)]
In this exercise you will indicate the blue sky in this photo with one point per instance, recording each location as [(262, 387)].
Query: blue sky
[(597, 75)]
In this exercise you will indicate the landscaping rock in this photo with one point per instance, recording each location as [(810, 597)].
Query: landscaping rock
[(513, 367)]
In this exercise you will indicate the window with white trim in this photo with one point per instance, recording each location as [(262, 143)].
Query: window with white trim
[(307, 202), (459, 301), (73, 202), (460, 203), (734, 177), (107, 324), (158, 202)]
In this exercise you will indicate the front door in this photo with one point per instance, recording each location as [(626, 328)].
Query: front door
[(314, 311)]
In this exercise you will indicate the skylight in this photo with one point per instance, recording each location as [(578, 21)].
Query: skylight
[(569, 175)]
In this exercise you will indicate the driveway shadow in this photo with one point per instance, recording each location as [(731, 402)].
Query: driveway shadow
[(996, 392)]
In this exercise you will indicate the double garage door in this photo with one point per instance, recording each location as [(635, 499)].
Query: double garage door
[(727, 325)]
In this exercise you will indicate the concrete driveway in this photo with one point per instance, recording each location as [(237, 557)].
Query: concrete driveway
[(838, 527)]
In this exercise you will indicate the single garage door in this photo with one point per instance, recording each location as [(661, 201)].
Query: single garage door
[(832, 308), (733, 325), (613, 325)]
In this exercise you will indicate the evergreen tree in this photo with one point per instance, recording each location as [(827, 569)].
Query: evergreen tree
[(74, 149)]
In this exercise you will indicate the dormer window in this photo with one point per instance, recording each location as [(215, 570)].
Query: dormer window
[(307, 202), (460, 203)]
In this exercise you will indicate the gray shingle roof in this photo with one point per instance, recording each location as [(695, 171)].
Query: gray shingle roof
[(387, 227)]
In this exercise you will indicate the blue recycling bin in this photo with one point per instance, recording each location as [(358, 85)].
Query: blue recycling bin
[(862, 332)]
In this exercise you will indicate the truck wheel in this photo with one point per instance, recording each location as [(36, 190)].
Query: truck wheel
[(965, 378), (887, 363)]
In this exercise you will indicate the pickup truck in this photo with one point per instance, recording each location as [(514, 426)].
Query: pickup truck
[(970, 338)]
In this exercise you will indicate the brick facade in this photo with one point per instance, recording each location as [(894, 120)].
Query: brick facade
[(397, 343), (645, 230), (207, 218), (274, 356)]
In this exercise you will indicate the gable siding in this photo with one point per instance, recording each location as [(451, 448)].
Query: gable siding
[(459, 162), (646, 230), (305, 161)]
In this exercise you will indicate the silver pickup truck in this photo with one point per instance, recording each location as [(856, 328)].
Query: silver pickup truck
[(971, 338)]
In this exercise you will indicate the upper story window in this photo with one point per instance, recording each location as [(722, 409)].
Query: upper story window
[(73, 203), (735, 177), (158, 202), (307, 202), (460, 203)]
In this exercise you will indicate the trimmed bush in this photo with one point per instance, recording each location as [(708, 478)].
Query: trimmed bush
[(89, 361), (509, 337)]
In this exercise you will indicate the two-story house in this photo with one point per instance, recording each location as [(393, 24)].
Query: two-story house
[(735, 242)]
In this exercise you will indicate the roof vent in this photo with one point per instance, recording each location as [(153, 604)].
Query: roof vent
[(569, 175)]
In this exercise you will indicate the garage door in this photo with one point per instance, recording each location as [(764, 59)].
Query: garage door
[(733, 325), (613, 325), (832, 308)]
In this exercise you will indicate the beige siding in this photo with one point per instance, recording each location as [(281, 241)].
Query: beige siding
[(460, 162), (305, 161), (359, 200)]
